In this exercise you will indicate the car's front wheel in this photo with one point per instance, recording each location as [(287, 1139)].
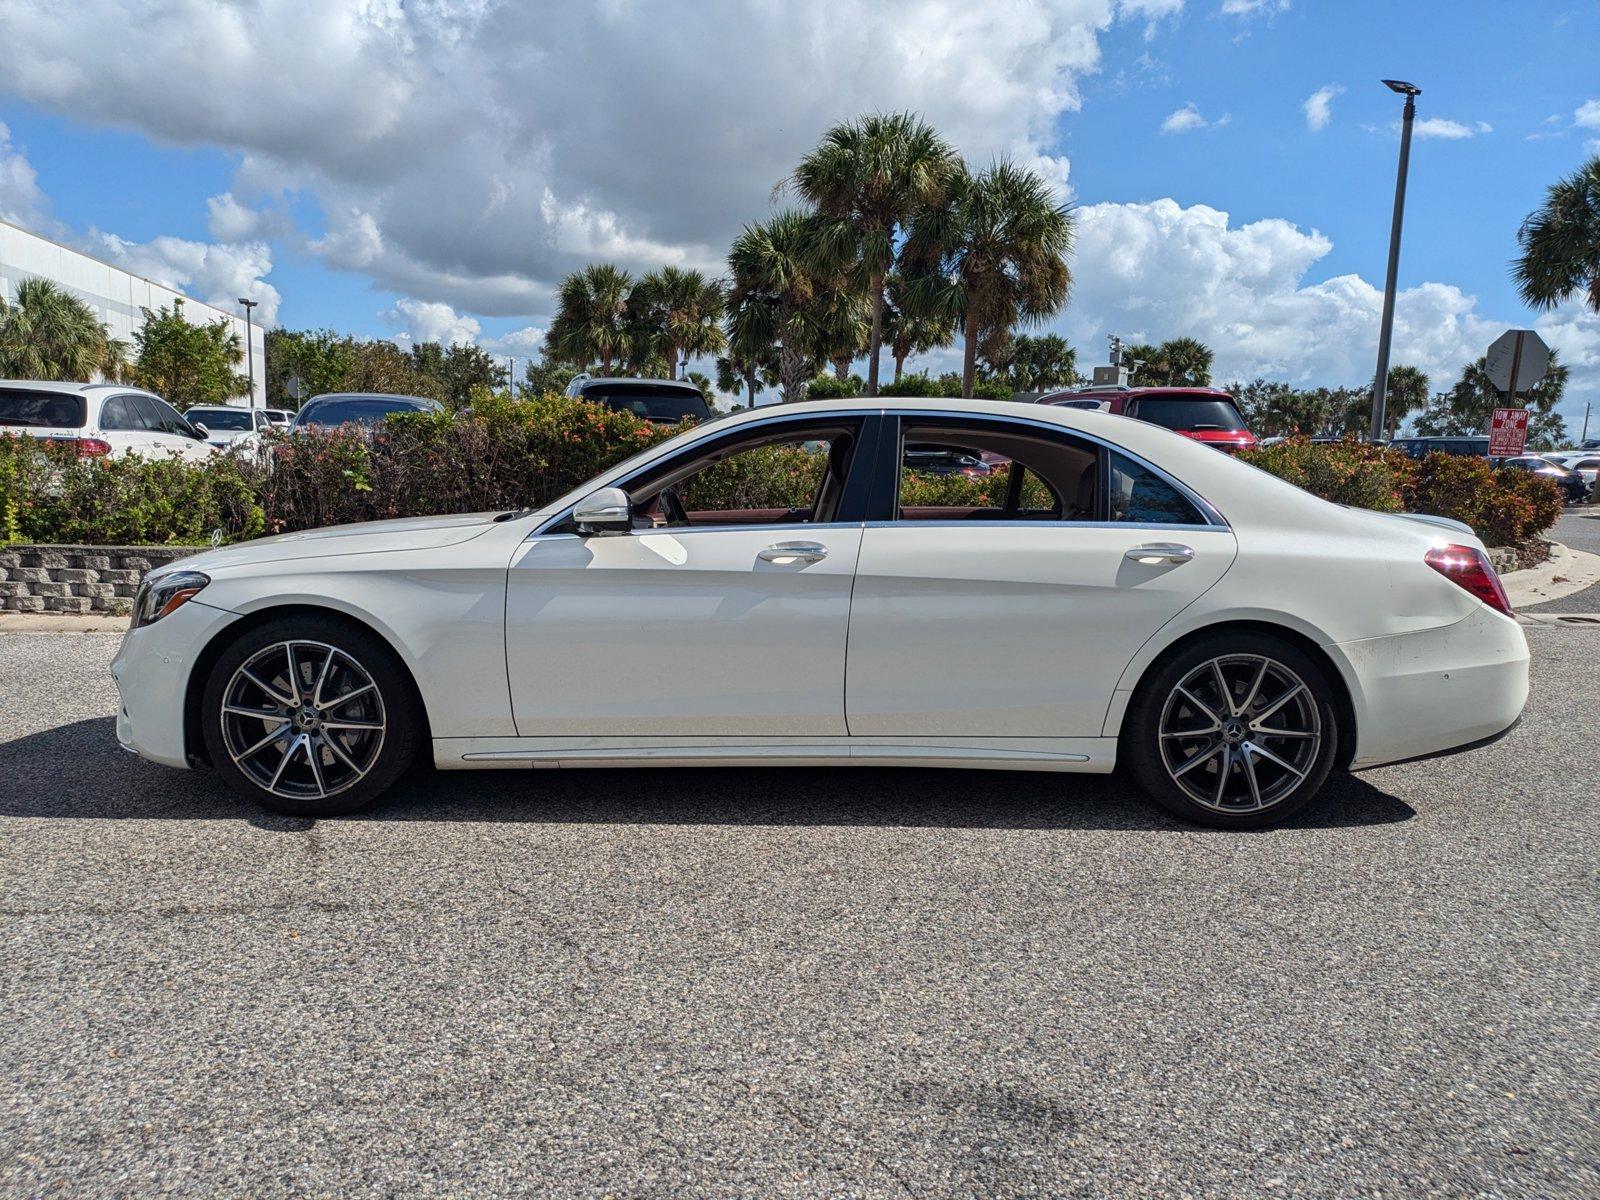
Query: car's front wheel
[(310, 716), (1236, 731)]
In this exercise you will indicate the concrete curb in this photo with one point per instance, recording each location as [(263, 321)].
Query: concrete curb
[(1568, 571)]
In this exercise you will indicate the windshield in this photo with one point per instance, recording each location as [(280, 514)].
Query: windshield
[(651, 403), (220, 418), (367, 410), (27, 408), (1188, 413)]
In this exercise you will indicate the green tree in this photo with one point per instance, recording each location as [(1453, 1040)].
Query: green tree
[(736, 373), (385, 368), (867, 179), (1560, 243), (1468, 407), (460, 370), (1176, 362), (990, 256), (48, 333), (1407, 393), (546, 377), (678, 313), (591, 320), (320, 359), (773, 298), (909, 331), (188, 364), (1035, 364)]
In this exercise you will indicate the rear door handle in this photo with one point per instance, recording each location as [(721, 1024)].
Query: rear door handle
[(1160, 552), (780, 552)]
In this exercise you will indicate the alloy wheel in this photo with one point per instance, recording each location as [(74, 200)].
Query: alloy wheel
[(303, 720), (1239, 733)]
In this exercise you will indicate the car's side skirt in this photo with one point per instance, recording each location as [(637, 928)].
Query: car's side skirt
[(1092, 755)]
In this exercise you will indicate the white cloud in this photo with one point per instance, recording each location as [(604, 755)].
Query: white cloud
[(430, 321), (1157, 270), (1319, 106), (1587, 115), (21, 201), (1187, 119), (1441, 127), (1253, 8), (231, 221), (218, 273), (472, 153)]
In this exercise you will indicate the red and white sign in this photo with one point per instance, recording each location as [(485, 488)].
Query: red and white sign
[(1508, 432)]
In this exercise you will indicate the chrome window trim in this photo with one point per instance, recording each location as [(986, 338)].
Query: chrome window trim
[(1214, 519), (1204, 506), (1026, 523)]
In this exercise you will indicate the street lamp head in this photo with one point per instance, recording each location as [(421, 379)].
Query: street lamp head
[(1401, 86), (247, 302)]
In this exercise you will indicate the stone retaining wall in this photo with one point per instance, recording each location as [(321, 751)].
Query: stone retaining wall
[(78, 579)]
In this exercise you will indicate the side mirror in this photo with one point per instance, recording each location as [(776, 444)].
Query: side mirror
[(604, 511), (200, 431)]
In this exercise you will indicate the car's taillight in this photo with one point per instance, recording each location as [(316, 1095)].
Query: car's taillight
[(91, 447), (1469, 567)]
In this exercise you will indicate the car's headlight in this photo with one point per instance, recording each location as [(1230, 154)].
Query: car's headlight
[(158, 597)]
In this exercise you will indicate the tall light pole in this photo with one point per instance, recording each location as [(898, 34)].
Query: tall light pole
[(249, 350), (1380, 381)]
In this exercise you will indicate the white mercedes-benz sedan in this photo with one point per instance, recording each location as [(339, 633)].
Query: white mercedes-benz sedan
[(1132, 597)]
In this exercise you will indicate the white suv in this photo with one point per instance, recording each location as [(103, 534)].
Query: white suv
[(100, 418)]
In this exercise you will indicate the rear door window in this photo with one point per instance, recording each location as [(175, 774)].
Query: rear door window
[(28, 408), (1141, 496)]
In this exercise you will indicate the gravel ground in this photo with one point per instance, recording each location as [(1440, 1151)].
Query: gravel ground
[(794, 982)]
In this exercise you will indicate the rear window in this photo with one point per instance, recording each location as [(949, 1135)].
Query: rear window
[(24, 408), (651, 403), (221, 418), (369, 411), (1189, 413)]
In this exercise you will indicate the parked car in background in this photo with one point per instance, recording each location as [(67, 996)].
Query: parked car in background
[(1204, 414), (368, 409), (1572, 484), (280, 418), (1421, 447), (99, 419), (226, 423), (1584, 462), (945, 460), (659, 401)]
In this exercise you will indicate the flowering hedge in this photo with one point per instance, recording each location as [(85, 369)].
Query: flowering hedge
[(506, 454)]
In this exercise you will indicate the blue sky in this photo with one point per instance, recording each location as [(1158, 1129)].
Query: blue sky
[(432, 170)]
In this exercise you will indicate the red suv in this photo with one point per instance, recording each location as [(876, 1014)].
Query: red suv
[(1204, 414)]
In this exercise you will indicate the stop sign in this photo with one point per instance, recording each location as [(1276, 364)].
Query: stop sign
[(1517, 360)]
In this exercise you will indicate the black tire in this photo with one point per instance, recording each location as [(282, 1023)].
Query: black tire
[(379, 731), (1170, 768)]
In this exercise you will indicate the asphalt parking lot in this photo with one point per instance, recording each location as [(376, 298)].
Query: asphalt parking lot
[(795, 982)]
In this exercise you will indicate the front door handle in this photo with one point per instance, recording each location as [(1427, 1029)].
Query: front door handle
[(780, 552), (1160, 552)]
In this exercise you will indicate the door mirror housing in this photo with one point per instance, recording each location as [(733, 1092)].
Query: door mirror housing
[(200, 431), (604, 511)]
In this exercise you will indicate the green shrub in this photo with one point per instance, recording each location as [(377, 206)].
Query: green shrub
[(1503, 507)]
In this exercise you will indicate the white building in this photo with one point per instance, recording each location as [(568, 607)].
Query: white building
[(114, 294)]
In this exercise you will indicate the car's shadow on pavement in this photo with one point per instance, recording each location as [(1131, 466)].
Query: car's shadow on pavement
[(77, 771)]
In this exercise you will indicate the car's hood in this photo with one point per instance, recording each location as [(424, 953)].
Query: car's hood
[(366, 537)]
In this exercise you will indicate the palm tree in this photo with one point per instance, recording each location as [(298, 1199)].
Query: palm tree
[(1407, 393), (990, 257), (1187, 362), (867, 178), (591, 320), (1561, 243), (680, 313), (773, 298), (755, 374), (909, 331), (48, 333)]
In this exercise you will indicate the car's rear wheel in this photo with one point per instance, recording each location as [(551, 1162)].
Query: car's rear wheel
[(310, 716), (1236, 731)]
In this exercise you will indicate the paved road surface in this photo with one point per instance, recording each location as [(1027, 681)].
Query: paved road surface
[(794, 983)]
